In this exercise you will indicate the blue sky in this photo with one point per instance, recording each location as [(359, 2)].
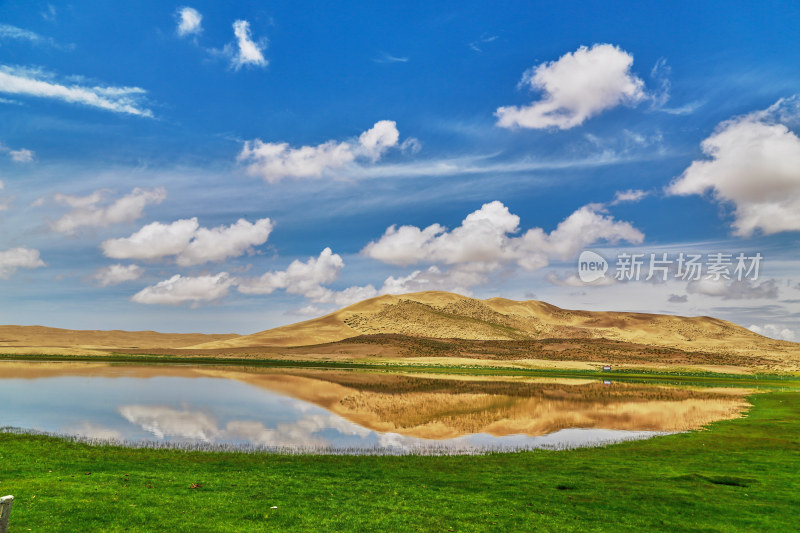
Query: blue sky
[(236, 166)]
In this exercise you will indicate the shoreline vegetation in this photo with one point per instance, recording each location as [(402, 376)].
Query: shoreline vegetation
[(738, 474), (616, 373), (211, 447)]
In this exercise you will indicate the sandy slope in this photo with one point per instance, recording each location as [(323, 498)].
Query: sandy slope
[(26, 339), (443, 315)]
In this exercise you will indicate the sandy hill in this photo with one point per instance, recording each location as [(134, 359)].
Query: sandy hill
[(437, 327), (443, 315), (32, 339)]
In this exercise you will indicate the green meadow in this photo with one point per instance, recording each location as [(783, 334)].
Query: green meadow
[(736, 475)]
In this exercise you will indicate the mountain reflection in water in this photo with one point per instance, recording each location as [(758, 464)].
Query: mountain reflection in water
[(330, 410)]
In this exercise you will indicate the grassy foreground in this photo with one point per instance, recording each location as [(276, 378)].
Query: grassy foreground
[(739, 475)]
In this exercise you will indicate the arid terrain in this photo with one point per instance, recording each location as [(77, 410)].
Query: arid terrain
[(54, 341), (445, 328)]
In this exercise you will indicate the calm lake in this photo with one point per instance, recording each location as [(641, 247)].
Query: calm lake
[(339, 411)]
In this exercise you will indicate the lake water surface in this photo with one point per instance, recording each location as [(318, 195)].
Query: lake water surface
[(341, 411)]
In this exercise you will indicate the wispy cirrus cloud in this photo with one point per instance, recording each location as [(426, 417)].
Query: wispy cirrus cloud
[(478, 44), (660, 74), (50, 13), (33, 82), (9, 33), (685, 109), (388, 58), (493, 163), (94, 211)]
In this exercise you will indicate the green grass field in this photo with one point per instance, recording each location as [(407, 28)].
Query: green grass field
[(741, 474)]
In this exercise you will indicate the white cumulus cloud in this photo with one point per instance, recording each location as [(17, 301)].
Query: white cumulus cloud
[(774, 331), (434, 278), (753, 162), (153, 241), (308, 278), (87, 211), (379, 138), (179, 289), (189, 21), (275, 161), (346, 296), (188, 242), (582, 228), (576, 87), (34, 82), (300, 277), (116, 274), (217, 244), (485, 240), (16, 258), (459, 259)]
